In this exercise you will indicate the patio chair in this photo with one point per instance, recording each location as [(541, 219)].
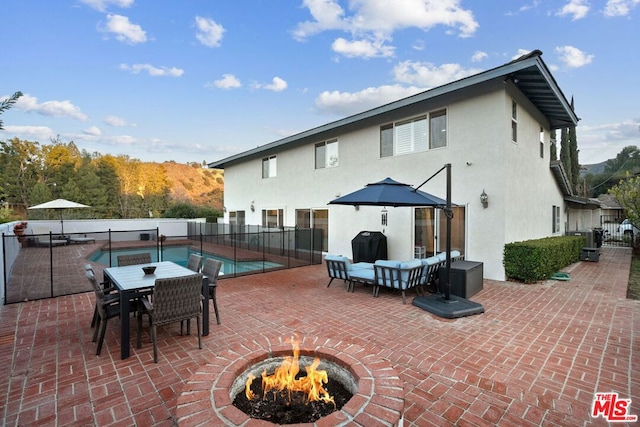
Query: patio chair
[(210, 272), (173, 300), (107, 306), (194, 263), (339, 267), (134, 259)]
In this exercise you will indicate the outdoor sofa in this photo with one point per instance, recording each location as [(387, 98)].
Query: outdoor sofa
[(402, 275)]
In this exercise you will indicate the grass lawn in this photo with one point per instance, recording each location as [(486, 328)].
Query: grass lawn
[(633, 292)]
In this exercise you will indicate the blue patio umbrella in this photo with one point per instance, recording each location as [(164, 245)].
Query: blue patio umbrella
[(393, 193), (389, 193)]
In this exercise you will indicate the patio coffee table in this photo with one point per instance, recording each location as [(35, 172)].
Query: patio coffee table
[(131, 280)]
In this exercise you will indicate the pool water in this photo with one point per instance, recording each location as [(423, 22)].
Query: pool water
[(180, 255)]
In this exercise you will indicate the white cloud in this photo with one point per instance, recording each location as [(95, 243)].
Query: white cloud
[(228, 81), (573, 57), (378, 19), (153, 71), (116, 121), (209, 31), (50, 108), (362, 48), (124, 30), (429, 75), (619, 7), (92, 131), (578, 9), (520, 53), (30, 132), (101, 5), (277, 85), (478, 56), (347, 103)]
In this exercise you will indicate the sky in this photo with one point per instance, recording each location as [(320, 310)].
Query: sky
[(200, 80)]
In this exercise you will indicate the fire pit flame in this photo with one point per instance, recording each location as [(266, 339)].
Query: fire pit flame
[(285, 378)]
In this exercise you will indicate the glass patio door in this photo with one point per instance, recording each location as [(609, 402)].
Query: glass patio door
[(431, 228)]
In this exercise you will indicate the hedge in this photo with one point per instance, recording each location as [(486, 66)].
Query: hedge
[(539, 259)]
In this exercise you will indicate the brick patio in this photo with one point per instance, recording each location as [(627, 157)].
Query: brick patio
[(536, 356)]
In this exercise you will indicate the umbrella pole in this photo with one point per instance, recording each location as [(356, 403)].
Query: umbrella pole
[(449, 214)]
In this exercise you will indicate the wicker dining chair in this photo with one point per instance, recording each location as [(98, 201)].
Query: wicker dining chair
[(173, 300), (133, 259), (194, 263), (210, 271), (107, 306)]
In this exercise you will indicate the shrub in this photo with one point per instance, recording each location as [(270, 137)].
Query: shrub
[(534, 260)]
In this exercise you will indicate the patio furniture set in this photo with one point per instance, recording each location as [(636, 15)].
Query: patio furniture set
[(164, 291), (418, 274)]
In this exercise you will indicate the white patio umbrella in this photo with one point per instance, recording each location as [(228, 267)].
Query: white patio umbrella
[(59, 204)]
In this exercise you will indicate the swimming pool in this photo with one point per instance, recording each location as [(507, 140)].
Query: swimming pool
[(180, 255)]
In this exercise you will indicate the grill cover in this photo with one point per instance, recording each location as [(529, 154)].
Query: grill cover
[(369, 246)]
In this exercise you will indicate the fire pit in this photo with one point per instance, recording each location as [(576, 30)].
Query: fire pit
[(378, 394), (282, 393)]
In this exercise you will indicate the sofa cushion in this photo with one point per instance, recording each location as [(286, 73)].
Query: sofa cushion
[(404, 271), (362, 275), (388, 263)]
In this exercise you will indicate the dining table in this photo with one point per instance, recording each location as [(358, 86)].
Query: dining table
[(132, 283)]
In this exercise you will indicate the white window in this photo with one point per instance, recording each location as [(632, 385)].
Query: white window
[(514, 121), (414, 135), (269, 167), (327, 154), (272, 218)]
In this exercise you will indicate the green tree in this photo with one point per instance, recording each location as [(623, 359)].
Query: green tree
[(554, 147), (565, 152), (5, 104), (627, 192), (21, 164), (627, 160), (573, 154)]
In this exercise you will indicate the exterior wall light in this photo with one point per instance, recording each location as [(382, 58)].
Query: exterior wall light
[(484, 199), (253, 206)]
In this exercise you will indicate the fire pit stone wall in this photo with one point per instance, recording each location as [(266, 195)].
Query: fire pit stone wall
[(206, 398)]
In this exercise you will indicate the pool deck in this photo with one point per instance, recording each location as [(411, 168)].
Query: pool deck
[(537, 356)]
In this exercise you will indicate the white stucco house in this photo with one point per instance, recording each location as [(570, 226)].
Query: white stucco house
[(492, 127)]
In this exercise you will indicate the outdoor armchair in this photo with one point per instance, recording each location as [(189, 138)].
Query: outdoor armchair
[(339, 267), (194, 263), (173, 300), (210, 272), (133, 259), (107, 306)]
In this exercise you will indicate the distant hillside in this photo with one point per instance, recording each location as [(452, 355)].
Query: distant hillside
[(195, 184), (595, 169)]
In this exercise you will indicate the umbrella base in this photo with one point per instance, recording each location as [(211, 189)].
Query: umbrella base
[(449, 309)]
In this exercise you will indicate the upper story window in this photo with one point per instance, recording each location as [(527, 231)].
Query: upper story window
[(514, 121), (327, 154), (269, 167), (541, 142), (414, 135)]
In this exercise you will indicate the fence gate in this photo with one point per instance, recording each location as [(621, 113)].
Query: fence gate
[(615, 233)]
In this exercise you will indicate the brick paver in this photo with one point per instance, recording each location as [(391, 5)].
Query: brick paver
[(535, 357)]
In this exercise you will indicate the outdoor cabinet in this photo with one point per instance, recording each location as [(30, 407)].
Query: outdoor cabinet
[(466, 278)]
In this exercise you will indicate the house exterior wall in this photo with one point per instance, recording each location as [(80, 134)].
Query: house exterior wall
[(519, 183)]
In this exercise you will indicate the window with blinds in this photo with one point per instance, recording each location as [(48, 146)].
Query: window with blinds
[(414, 135)]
